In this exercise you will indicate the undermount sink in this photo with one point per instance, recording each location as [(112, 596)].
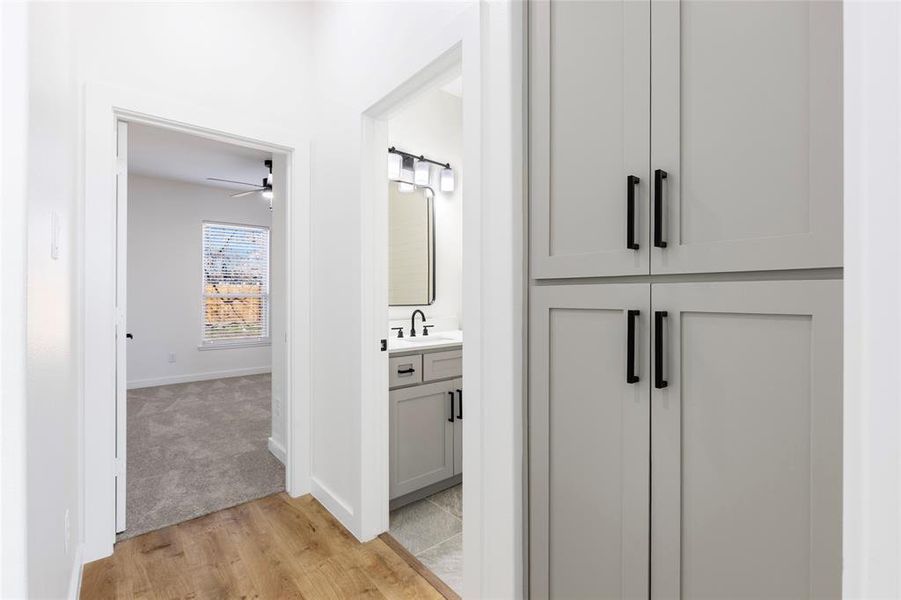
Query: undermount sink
[(437, 339)]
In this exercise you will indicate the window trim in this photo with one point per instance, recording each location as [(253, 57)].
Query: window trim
[(242, 342)]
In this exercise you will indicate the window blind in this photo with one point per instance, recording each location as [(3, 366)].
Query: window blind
[(235, 283)]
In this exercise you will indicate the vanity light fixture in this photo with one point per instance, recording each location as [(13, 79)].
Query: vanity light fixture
[(395, 162), (411, 171), (406, 170), (447, 180), (421, 171)]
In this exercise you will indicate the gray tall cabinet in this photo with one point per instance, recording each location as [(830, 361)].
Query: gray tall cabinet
[(685, 209)]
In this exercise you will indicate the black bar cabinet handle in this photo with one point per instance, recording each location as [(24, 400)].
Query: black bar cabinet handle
[(631, 377), (659, 176), (406, 371), (460, 404), (659, 381), (631, 183), (450, 419)]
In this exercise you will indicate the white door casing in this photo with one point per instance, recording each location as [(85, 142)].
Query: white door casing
[(121, 318)]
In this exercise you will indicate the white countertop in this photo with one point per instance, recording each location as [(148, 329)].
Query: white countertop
[(436, 340)]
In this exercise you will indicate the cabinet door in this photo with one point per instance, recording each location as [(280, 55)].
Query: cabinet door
[(747, 124), (589, 105), (421, 436), (458, 428), (588, 442), (747, 441)]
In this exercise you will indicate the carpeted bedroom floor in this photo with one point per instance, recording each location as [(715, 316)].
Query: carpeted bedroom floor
[(195, 448)]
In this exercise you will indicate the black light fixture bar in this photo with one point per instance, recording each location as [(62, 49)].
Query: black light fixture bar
[(393, 150)]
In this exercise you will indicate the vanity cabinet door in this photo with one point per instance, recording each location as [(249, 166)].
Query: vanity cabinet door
[(589, 128), (421, 434), (747, 441), (746, 116), (589, 441)]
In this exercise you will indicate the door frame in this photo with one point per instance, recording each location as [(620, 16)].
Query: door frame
[(374, 272), (104, 107), (491, 41)]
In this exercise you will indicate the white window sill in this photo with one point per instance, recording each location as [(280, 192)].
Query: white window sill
[(236, 344)]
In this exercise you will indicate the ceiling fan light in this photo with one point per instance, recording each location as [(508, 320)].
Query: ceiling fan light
[(267, 194), (395, 163), (421, 172), (447, 180)]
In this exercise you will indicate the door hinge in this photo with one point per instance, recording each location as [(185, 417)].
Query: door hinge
[(384, 345)]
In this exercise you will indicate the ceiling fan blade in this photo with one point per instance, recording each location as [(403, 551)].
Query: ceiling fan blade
[(256, 185), (242, 194)]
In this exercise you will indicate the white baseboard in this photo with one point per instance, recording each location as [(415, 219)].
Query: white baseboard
[(75, 576), (333, 503), (277, 450), (155, 381)]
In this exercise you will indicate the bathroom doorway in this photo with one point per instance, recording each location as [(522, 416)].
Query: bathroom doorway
[(425, 320), (418, 277)]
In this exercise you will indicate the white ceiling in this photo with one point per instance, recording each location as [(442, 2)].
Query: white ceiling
[(454, 87), (158, 152)]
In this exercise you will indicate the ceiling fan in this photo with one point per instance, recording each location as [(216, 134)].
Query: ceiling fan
[(265, 187)]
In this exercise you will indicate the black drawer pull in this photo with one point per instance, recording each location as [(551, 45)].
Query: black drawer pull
[(450, 419), (631, 377), (631, 183), (460, 404), (406, 371), (659, 176), (659, 381)]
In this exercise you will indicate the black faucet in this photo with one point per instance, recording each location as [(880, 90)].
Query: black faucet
[(413, 321)]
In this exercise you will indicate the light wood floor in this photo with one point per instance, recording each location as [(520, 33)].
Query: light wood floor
[(275, 547)]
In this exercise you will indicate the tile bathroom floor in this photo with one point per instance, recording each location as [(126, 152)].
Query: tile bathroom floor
[(431, 529)]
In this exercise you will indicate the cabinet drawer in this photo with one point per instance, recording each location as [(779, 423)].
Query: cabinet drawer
[(404, 370), (442, 365)]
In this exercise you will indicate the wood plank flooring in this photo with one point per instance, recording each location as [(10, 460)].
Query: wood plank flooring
[(274, 547)]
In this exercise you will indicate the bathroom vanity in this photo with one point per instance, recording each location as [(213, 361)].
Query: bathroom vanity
[(426, 415)]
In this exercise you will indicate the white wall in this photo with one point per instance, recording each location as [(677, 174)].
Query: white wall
[(54, 309), (164, 274), (248, 58), (433, 126), (872, 445), (13, 175), (362, 52)]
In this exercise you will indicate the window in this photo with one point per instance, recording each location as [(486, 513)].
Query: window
[(235, 284)]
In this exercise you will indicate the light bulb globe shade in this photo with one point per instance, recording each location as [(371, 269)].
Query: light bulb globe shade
[(267, 194), (395, 162), (406, 171), (447, 180), (405, 188), (421, 172)]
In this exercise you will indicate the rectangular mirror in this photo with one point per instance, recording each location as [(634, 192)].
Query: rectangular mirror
[(411, 247)]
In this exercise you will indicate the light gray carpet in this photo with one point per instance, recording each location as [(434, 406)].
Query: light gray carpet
[(195, 448)]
